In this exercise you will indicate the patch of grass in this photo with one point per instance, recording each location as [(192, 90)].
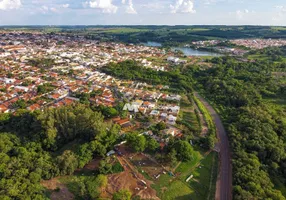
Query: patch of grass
[(205, 113), (186, 168), (187, 115), (202, 186), (204, 180), (168, 188), (117, 168)]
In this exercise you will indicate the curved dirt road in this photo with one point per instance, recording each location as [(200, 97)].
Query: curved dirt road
[(224, 180)]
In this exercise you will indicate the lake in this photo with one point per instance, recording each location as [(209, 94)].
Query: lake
[(152, 44), (186, 50), (194, 52)]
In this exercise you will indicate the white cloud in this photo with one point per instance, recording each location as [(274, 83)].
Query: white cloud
[(281, 14), (10, 4), (281, 8), (240, 14), (45, 9), (130, 8), (54, 10), (183, 6), (105, 6), (66, 5)]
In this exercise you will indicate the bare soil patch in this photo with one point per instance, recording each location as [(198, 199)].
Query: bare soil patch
[(63, 193), (151, 167), (131, 180), (92, 165)]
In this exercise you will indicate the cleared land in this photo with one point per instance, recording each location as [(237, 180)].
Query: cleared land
[(175, 187), (57, 190)]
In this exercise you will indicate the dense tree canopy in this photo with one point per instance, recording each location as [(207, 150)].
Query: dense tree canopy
[(27, 150), (256, 127)]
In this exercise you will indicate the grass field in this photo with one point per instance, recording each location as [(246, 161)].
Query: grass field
[(188, 116), (169, 188), (201, 187), (204, 181), (186, 168)]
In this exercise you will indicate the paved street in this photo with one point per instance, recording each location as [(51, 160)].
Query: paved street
[(224, 181)]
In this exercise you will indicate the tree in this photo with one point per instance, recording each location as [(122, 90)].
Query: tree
[(105, 167), (136, 141), (42, 89), (67, 162), (95, 185), (110, 112), (151, 144), (20, 104), (161, 126), (112, 135), (122, 195), (184, 150), (211, 140), (97, 148), (85, 155), (172, 157)]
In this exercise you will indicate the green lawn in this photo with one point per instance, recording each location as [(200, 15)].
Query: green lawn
[(169, 189), (204, 181), (186, 168), (201, 187)]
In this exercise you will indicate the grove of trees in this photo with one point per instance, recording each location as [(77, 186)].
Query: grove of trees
[(30, 141)]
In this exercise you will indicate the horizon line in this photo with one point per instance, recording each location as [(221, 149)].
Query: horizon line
[(143, 25)]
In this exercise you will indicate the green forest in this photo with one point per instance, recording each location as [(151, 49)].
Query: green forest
[(34, 146)]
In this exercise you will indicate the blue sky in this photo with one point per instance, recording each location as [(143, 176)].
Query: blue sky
[(140, 12)]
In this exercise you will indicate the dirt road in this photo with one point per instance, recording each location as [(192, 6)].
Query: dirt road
[(224, 180)]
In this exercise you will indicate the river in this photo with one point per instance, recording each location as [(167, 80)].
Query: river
[(188, 51)]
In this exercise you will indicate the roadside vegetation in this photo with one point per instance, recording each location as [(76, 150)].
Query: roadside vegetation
[(256, 128)]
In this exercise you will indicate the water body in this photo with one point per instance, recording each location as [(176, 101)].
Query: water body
[(194, 52), (186, 50), (152, 44)]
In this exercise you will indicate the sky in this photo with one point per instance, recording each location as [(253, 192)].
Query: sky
[(143, 12)]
